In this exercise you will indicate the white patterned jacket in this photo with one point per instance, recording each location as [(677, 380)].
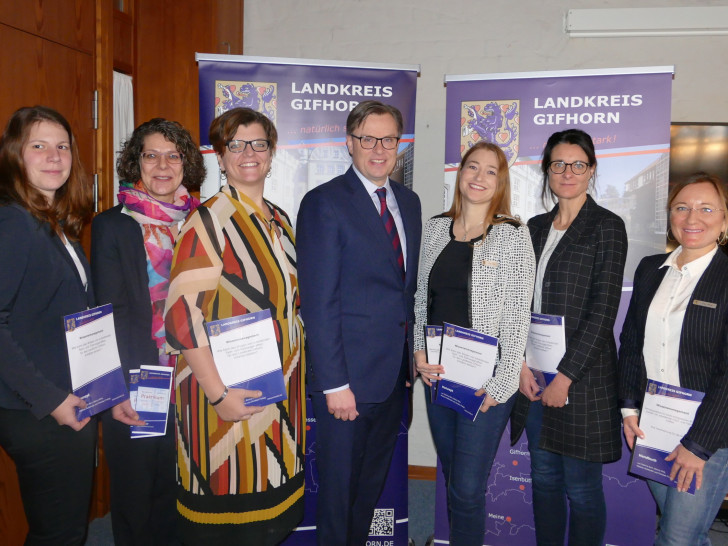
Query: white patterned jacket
[(500, 291)]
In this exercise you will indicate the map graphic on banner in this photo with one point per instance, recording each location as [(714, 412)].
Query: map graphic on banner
[(308, 101), (627, 114)]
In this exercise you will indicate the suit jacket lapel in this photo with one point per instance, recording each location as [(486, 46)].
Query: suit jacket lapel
[(410, 221), (709, 287), (61, 248), (365, 212)]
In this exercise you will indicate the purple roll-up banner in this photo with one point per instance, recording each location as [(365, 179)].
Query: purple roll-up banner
[(308, 101), (627, 113)]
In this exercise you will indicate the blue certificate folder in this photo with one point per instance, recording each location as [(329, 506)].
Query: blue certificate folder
[(96, 374), (245, 350), (648, 457), (545, 347), (150, 388), (459, 395)]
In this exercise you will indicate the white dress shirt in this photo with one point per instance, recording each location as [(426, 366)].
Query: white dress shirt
[(665, 317), (371, 188), (555, 235)]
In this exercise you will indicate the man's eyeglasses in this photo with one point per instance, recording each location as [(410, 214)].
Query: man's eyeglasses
[(370, 142)]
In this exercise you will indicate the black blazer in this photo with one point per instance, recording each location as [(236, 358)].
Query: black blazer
[(703, 355), (39, 285), (119, 272), (582, 282)]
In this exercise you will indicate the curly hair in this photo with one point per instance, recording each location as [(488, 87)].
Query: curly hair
[(127, 166), (224, 127), (73, 203)]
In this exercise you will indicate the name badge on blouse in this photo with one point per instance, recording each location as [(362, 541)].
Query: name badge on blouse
[(490, 263), (707, 304)]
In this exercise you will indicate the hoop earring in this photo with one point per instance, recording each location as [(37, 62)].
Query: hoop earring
[(723, 239), (670, 237)]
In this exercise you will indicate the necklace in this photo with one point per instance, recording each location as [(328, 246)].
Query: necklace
[(466, 230)]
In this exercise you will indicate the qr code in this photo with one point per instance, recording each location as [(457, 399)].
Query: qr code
[(382, 523)]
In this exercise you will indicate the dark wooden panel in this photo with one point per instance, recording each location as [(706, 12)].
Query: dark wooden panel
[(43, 72), (123, 42), (165, 78), (230, 27), (67, 22), (13, 526)]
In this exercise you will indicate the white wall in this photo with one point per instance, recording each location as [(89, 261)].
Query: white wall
[(479, 37)]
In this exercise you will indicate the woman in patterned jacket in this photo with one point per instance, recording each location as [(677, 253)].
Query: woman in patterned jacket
[(476, 271), (581, 250), (240, 466)]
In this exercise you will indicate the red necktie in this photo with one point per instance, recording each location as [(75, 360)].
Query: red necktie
[(391, 227)]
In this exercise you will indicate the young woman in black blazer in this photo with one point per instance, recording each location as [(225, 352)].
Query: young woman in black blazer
[(45, 199), (580, 251), (676, 333)]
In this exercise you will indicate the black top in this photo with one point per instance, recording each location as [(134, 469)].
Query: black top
[(449, 282)]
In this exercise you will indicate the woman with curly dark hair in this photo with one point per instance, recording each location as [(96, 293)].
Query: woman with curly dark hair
[(131, 254), (45, 199)]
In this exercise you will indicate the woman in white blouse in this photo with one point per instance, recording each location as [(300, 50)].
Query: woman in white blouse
[(476, 271), (675, 332)]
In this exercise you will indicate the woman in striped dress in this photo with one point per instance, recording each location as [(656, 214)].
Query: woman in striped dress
[(240, 467)]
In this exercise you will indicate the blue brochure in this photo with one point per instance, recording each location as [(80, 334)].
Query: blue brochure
[(153, 385), (545, 347), (93, 357), (469, 361), (245, 350), (667, 414)]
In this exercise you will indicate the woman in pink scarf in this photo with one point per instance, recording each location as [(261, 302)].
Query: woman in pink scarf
[(131, 253)]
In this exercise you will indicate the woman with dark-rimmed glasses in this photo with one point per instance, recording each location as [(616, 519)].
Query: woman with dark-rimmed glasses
[(580, 252), (240, 466)]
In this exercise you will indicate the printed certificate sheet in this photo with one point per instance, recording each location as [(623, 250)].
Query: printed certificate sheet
[(667, 415), (545, 347), (469, 361), (245, 351), (96, 374), (433, 339)]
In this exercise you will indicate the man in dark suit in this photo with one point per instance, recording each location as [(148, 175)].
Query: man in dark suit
[(358, 248)]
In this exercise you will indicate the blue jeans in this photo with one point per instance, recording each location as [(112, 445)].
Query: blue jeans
[(556, 478), (686, 518), (466, 449)]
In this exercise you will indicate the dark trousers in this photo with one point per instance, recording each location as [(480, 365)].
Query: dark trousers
[(556, 478), (55, 467), (143, 480), (353, 459)]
